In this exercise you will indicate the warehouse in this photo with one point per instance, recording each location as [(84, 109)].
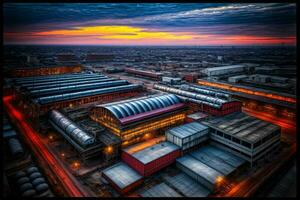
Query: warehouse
[(87, 144), (246, 136), (160, 190), (188, 135), (200, 172), (37, 95), (151, 159), (44, 71), (231, 69), (225, 156), (122, 177), (213, 162), (148, 74), (132, 119), (204, 100), (187, 186)]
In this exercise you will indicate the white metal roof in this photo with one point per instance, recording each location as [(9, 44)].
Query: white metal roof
[(199, 168), (154, 152), (122, 175), (187, 130)]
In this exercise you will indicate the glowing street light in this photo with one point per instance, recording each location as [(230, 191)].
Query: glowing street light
[(76, 164), (219, 179), (51, 137), (109, 149)]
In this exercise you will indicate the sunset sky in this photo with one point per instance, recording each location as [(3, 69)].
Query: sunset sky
[(150, 24)]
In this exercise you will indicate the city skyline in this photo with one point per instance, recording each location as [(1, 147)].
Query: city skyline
[(150, 24)]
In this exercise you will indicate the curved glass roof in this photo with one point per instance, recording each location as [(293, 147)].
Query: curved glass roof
[(138, 106)]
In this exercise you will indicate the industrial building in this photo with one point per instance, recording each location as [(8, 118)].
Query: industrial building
[(88, 145), (204, 100), (148, 74), (224, 70), (151, 159), (197, 170), (245, 136), (188, 136), (44, 71), (132, 119), (171, 80), (122, 177), (38, 95), (209, 166)]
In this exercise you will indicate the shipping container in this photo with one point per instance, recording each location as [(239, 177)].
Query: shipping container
[(153, 158)]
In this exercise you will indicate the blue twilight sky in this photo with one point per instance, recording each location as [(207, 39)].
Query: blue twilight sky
[(150, 23)]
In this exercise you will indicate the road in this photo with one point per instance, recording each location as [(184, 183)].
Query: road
[(42, 152)]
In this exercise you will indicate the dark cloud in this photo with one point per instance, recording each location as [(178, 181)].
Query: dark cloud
[(273, 19)]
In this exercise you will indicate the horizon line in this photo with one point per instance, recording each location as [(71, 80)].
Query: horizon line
[(107, 45)]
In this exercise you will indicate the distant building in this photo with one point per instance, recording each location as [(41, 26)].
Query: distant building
[(216, 71), (171, 80)]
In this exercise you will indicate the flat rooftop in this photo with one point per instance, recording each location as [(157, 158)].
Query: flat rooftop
[(197, 115), (122, 175), (160, 190), (154, 152), (199, 168), (187, 186), (187, 130), (223, 155), (142, 145), (242, 126), (213, 162)]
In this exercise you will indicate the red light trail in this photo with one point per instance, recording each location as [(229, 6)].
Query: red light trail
[(247, 91), (36, 141), (287, 126)]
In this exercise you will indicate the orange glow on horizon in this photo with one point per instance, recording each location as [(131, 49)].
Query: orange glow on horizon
[(131, 35)]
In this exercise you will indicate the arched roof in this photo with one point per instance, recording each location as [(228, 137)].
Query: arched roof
[(138, 106)]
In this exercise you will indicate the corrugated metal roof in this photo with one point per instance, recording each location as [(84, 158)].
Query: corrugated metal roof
[(74, 95), (213, 162), (199, 168), (78, 87), (160, 190), (122, 175), (135, 107), (151, 113), (154, 152), (242, 126), (187, 186), (61, 83), (226, 156), (187, 130)]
